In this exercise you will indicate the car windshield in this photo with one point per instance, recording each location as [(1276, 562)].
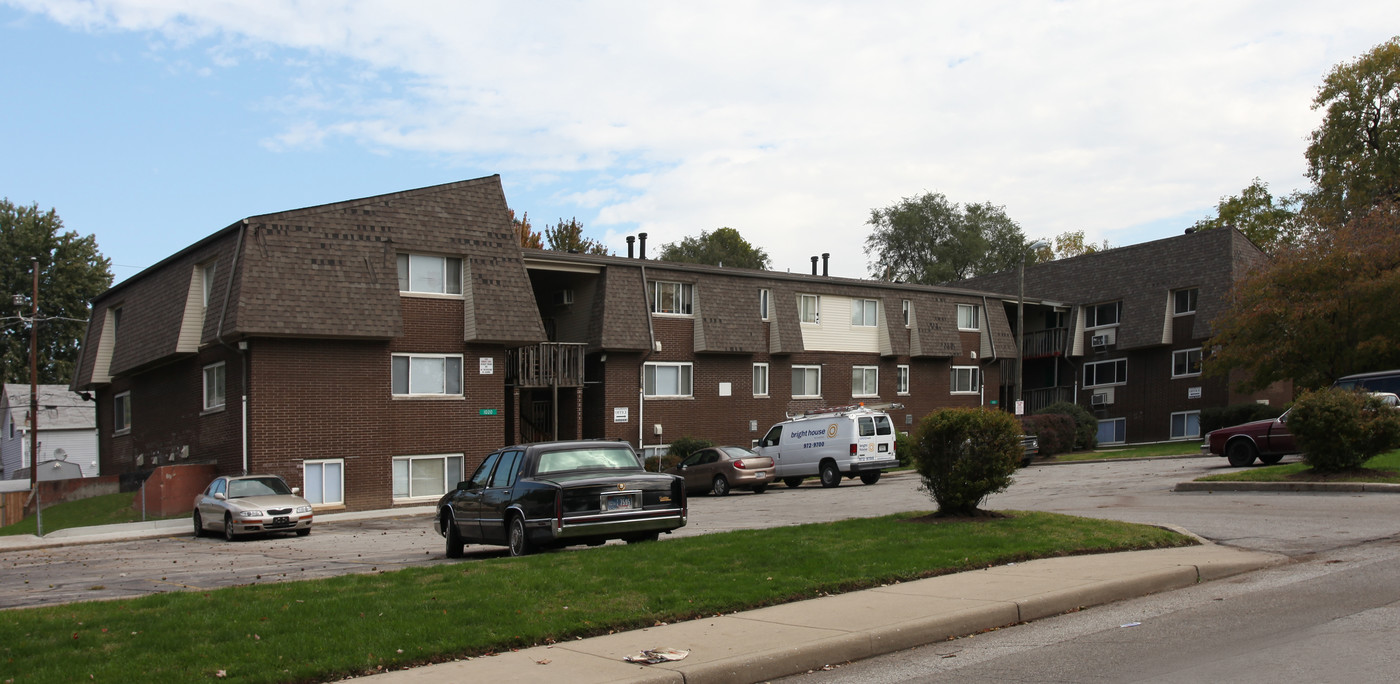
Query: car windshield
[(587, 458), (257, 486)]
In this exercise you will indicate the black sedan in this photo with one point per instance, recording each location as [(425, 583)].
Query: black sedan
[(560, 493)]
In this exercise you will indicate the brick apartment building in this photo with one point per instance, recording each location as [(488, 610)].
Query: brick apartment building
[(1124, 331), (373, 351)]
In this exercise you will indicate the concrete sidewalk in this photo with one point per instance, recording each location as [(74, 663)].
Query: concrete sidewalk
[(793, 638)]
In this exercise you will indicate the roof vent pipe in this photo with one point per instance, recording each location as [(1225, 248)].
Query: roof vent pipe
[(825, 256), (642, 242), (630, 240), (814, 265)]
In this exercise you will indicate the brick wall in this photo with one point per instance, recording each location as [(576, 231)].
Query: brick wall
[(170, 490)]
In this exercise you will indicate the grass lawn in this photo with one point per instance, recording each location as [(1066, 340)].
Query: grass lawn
[(1383, 468), (320, 630), (107, 509), (1191, 447)]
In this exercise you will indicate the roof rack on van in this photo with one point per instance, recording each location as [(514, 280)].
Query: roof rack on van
[(853, 407)]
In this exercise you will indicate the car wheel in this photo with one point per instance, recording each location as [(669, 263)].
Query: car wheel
[(830, 475), (871, 477), (304, 532), (228, 528), (759, 489), (721, 486), (198, 525), (792, 482), (1240, 453), (519, 540), (454, 537), (1271, 459), (642, 538)]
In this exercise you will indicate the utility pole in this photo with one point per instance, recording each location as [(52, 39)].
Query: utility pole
[(34, 380)]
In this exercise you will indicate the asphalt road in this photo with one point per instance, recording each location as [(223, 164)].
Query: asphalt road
[(1296, 524)]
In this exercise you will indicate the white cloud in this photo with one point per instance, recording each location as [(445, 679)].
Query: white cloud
[(790, 120)]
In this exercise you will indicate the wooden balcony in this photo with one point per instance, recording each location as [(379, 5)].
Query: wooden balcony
[(1044, 343), (549, 364)]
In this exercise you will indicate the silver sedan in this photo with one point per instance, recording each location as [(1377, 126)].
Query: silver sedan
[(251, 504)]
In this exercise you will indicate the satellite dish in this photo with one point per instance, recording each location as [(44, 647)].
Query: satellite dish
[(60, 455)]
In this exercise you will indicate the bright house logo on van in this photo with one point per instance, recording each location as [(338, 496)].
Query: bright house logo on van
[(799, 434), (831, 431)]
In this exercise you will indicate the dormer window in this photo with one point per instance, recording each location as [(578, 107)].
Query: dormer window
[(426, 274), (1103, 315), (672, 298)]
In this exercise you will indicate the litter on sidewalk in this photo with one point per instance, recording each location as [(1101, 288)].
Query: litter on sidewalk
[(657, 655)]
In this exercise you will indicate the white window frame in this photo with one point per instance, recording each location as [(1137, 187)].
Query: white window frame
[(1123, 422), (865, 313), (121, 413), (447, 375), (685, 379), (410, 264), (1186, 354), (760, 379), (810, 315), (1121, 380), (901, 380), (682, 297), (972, 383), (807, 370), (318, 498), (907, 307), (219, 386), (870, 381), (1185, 425), (1093, 312), (969, 311), (1193, 300), (764, 297), (409, 494)]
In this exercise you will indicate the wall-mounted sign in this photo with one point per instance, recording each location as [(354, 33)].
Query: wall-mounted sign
[(620, 414), (487, 365), (1193, 393), (486, 412)]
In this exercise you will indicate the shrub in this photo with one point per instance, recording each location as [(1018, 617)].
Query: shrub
[(657, 465), (1340, 429), (965, 455), (1236, 414), (1054, 431), (904, 448), (1086, 426), (685, 446)]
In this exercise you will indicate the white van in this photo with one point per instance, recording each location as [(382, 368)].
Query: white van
[(849, 441)]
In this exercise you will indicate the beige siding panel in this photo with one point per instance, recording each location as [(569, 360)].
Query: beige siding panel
[(192, 324), (102, 362), (835, 332), (1167, 319)]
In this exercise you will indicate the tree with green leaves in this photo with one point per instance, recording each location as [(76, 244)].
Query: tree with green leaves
[(723, 247), (927, 239), (71, 273), (1268, 222), (1354, 156), (568, 237), (523, 231), (1070, 244), (1321, 309)]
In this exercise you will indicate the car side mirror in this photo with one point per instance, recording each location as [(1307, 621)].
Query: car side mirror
[(464, 484), (684, 466), (296, 490), (221, 496)]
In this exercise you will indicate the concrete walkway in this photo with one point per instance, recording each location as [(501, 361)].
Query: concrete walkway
[(793, 638)]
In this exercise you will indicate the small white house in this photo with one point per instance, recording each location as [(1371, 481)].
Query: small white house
[(67, 433)]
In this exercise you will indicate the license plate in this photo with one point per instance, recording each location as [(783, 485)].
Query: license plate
[(760, 475), (618, 503), (883, 447), (280, 520)]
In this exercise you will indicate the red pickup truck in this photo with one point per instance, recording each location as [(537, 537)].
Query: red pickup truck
[(1268, 440)]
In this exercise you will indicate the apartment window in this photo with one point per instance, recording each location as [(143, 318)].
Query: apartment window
[(810, 308), (966, 380), (430, 274), (863, 312), (901, 382), (671, 298), (1103, 315), (427, 374), (1184, 301), (1186, 425), (206, 277), (806, 382), (906, 307), (968, 317), (763, 296), (121, 413), (1113, 431), (1100, 373), (116, 314), (325, 481), (865, 381), (214, 386), (417, 477), (667, 380), (760, 379), (1186, 362)]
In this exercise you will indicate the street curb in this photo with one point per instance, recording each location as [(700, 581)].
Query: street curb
[(1296, 487)]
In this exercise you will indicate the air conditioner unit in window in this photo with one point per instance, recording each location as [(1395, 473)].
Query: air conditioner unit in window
[(1100, 399), (1099, 341), (563, 297)]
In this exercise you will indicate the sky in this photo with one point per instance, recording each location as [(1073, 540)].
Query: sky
[(154, 123)]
